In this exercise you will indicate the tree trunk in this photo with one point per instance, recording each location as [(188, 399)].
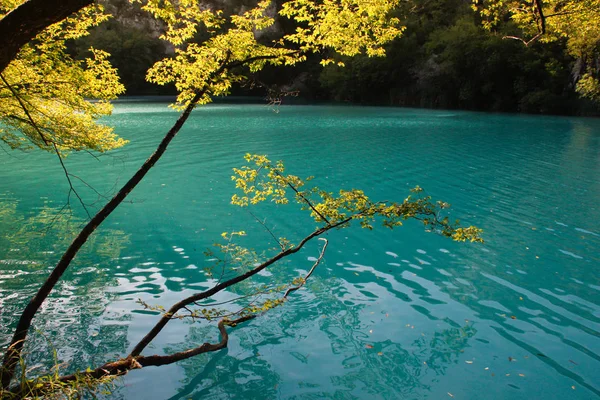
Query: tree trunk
[(25, 22)]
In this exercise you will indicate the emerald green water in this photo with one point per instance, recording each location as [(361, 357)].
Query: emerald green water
[(398, 314)]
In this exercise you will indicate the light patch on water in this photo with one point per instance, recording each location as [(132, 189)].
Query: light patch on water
[(339, 264), (494, 304), (550, 229), (313, 259), (586, 231), (186, 256), (521, 272), (178, 249), (421, 251), (405, 261), (148, 263), (177, 279), (191, 266), (139, 270), (389, 253), (560, 223), (169, 263), (444, 251), (394, 264), (422, 262), (414, 266), (530, 311), (264, 272), (18, 262), (443, 272), (570, 254), (463, 281)]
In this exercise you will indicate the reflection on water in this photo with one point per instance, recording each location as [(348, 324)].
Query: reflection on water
[(75, 318), (399, 314)]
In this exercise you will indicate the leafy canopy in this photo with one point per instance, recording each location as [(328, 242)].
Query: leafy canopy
[(44, 92), (577, 21), (264, 180)]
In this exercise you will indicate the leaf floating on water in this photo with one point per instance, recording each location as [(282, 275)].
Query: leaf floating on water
[(513, 317), (573, 387), (450, 394), (371, 331), (386, 315), (356, 273), (521, 374), (511, 359), (507, 374), (486, 368), (469, 362), (520, 298), (380, 353), (368, 346)]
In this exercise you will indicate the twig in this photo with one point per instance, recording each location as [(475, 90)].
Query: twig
[(47, 143), (267, 229), (317, 262)]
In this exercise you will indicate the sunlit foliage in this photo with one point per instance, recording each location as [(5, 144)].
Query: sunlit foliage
[(577, 21), (348, 27), (45, 94), (264, 180)]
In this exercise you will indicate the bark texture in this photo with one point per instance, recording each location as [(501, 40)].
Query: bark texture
[(25, 22)]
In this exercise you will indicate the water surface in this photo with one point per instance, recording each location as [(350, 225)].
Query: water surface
[(389, 314)]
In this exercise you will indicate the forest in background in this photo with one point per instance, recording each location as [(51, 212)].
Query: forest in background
[(445, 59)]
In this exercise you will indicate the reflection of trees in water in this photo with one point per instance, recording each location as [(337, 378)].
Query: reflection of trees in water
[(385, 369), (220, 375), (30, 244)]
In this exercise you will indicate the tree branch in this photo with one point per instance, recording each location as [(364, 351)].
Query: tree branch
[(25, 22), (137, 350), (13, 353), (48, 143), (293, 289)]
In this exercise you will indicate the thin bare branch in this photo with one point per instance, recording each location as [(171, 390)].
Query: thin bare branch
[(48, 143), (267, 229), (317, 262)]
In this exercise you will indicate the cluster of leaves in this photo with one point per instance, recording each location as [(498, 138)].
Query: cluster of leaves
[(576, 21), (264, 180), (45, 93), (348, 27), (447, 59)]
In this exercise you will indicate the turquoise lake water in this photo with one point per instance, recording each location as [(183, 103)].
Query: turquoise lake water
[(400, 314)]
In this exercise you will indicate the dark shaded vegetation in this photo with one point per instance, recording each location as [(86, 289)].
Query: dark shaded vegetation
[(445, 59)]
